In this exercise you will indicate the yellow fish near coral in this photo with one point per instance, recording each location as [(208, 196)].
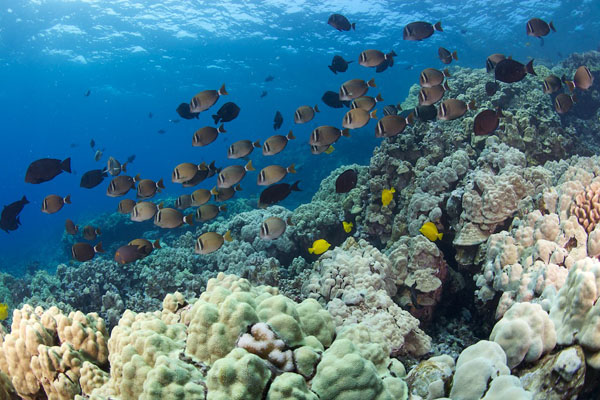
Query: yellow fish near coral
[(3, 311), (430, 231), (347, 226), (387, 195), (319, 247)]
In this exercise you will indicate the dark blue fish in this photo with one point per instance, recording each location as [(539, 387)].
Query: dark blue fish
[(87, 93), (46, 169), (9, 219), (338, 64), (278, 120), (269, 78), (92, 178), (276, 193), (263, 94), (228, 112), (341, 23), (184, 111), (332, 99)]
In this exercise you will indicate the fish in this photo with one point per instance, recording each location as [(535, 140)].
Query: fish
[(319, 246), (493, 60), (53, 203), (90, 233), (170, 218), (145, 246), (430, 231), (84, 251), (92, 178), (373, 58), (452, 109), (431, 95), (563, 103), (338, 64), (183, 201), (92, 143), (184, 172), (420, 30), (277, 121), (430, 77), (269, 78), (114, 167), (583, 79), (207, 135), (87, 93), (341, 23), (425, 113), (263, 94), (510, 71), (200, 196), (206, 212), (305, 114), (332, 99), (70, 227), (346, 181), (147, 188), (201, 174), (537, 28), (98, 155), (130, 159), (446, 56), (273, 227), (241, 149), (354, 88), (487, 121), (326, 135), (387, 195), (276, 143), (121, 184), (491, 88), (3, 311), (210, 242), (392, 125), (129, 253), (228, 112), (143, 211), (357, 118), (126, 206), (161, 131), (46, 169), (276, 193), (552, 84), (391, 109), (347, 226), (232, 175), (206, 99), (9, 218), (367, 103), (184, 111), (150, 115), (273, 174), (223, 194)]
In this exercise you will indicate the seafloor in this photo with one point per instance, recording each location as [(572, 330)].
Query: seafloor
[(504, 306)]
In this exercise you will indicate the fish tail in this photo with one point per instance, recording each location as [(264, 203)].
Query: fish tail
[(237, 188), (189, 219), (216, 118), (156, 244), (411, 118), (221, 128), (124, 167), (24, 200), (570, 85), (98, 231), (346, 132), (223, 207), (160, 184), (316, 108), (371, 82), (214, 191), (438, 26), (65, 165), (353, 25), (529, 68), (295, 187), (291, 169), (98, 248), (222, 90), (332, 70), (455, 55), (257, 144), (311, 250), (373, 114), (227, 236), (378, 98), (440, 235), (249, 166), (551, 25), (472, 105), (67, 199), (290, 135)]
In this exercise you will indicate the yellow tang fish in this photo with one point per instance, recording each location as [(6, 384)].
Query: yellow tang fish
[(329, 150), (319, 247), (347, 226), (430, 231), (387, 195), (3, 311)]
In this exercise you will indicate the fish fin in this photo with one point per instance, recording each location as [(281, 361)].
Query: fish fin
[(223, 207), (371, 82), (156, 244), (98, 248), (222, 90), (570, 85), (472, 105), (189, 219), (529, 68), (316, 108), (202, 166), (373, 114), (221, 129), (295, 187), (65, 165), (289, 222), (455, 55), (311, 250), (346, 132), (290, 135), (440, 235), (438, 26), (249, 166), (24, 200), (332, 70), (124, 167), (257, 144), (67, 199), (411, 118), (160, 184), (551, 25), (353, 25), (214, 191), (227, 236), (291, 169), (136, 178), (399, 107), (378, 98), (216, 118), (98, 231)]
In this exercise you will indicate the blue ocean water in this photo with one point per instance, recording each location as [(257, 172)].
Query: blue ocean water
[(138, 57)]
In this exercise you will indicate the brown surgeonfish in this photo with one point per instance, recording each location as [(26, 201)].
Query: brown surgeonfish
[(85, 251), (126, 206), (563, 103), (223, 194), (420, 30), (53, 203), (114, 167), (373, 58), (552, 84), (453, 108), (70, 227), (206, 99), (202, 173), (325, 135), (431, 95), (207, 135), (145, 245), (537, 28), (128, 254), (392, 125), (241, 149), (273, 174), (446, 56), (143, 211), (492, 60), (90, 233), (583, 79), (366, 102), (430, 77), (147, 188), (185, 172), (357, 118), (184, 201), (487, 121), (121, 184), (171, 218), (206, 212), (276, 143), (354, 88), (200, 196), (46, 169), (232, 175), (273, 227), (305, 114), (211, 241)]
